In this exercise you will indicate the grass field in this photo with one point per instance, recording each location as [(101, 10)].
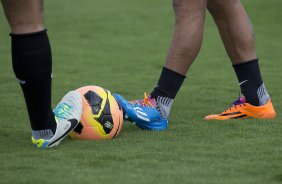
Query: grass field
[(121, 45)]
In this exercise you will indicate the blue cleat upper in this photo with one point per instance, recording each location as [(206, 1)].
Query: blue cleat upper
[(142, 112)]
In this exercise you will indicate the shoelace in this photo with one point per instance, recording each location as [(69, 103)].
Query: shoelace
[(237, 102), (146, 102)]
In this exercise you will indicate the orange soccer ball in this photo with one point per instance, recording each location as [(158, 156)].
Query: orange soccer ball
[(101, 117)]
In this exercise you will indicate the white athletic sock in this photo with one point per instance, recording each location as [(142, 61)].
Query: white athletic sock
[(42, 134), (163, 105), (263, 96)]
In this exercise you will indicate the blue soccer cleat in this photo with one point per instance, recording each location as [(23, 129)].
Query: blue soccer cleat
[(143, 113)]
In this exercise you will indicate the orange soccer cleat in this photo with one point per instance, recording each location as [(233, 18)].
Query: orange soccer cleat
[(242, 109)]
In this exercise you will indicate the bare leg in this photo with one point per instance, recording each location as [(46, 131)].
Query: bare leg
[(236, 33), (32, 62), (235, 29), (185, 46), (24, 16), (188, 34), (238, 38)]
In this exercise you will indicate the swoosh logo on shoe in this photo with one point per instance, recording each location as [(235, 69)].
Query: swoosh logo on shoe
[(74, 123)]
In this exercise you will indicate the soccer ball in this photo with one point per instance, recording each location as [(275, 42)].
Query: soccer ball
[(101, 117)]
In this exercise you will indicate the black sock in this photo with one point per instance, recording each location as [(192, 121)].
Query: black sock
[(32, 64), (168, 85), (164, 93), (250, 81)]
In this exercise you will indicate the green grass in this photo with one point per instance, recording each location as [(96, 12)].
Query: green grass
[(121, 45)]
